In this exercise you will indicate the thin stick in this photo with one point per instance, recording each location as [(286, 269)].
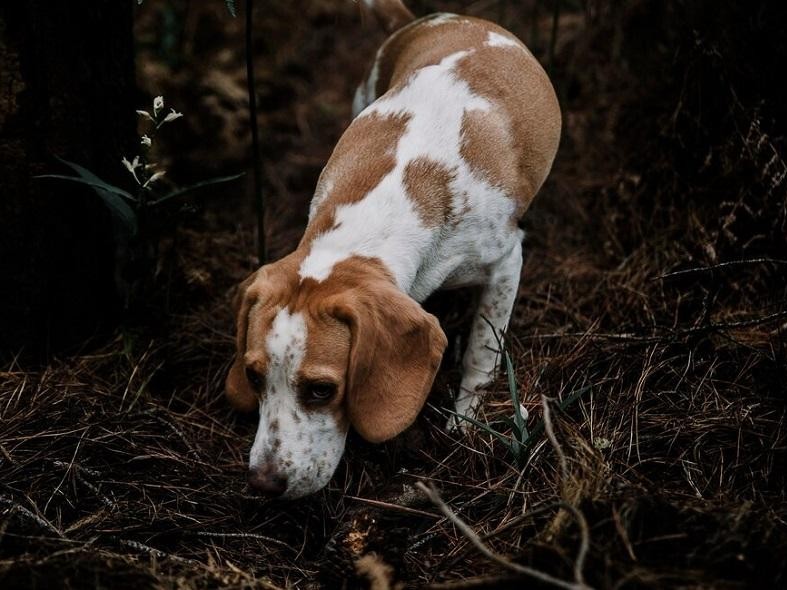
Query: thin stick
[(718, 266), (584, 545), (394, 507), (254, 536), (553, 439), (553, 40), (157, 553), (40, 520), (259, 202), (471, 536)]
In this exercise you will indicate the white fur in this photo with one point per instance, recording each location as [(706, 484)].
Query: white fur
[(439, 19), (385, 223), (306, 446), (497, 40)]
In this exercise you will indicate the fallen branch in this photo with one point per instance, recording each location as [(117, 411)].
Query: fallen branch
[(687, 271), (393, 507), (584, 545), (157, 553), (39, 520), (473, 537), (553, 439), (255, 536)]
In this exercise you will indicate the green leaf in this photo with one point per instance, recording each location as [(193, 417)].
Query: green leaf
[(574, 396), (507, 440), (110, 195), (233, 10), (88, 175), (185, 190), (519, 420)]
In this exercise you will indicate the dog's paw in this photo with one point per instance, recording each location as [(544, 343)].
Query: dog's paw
[(466, 406)]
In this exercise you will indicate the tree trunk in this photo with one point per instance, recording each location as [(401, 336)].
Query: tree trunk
[(66, 89)]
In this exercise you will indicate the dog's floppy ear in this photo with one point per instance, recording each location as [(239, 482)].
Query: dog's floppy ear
[(237, 389), (396, 348)]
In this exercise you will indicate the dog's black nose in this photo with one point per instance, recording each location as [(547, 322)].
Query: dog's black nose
[(267, 480)]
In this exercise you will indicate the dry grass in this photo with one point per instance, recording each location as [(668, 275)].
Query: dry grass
[(124, 467)]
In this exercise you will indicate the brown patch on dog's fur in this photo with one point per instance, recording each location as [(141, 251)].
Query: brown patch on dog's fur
[(365, 154), (326, 355), (428, 185), (488, 148), (526, 99), (511, 146), (424, 44), (396, 348)]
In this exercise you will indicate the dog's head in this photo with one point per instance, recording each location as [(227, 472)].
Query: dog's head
[(318, 356)]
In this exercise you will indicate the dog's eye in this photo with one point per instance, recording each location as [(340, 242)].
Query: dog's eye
[(255, 379), (319, 391)]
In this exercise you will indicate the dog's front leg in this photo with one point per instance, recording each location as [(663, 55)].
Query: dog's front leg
[(482, 355)]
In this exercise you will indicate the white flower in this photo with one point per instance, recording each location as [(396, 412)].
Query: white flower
[(145, 114), (524, 412), (158, 104), (154, 178), (132, 166), (146, 141), (171, 116)]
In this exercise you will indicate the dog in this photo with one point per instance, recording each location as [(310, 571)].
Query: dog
[(455, 129)]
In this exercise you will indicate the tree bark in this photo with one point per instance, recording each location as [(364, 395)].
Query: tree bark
[(66, 89)]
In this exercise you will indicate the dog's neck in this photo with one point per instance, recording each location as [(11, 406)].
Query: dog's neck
[(339, 233)]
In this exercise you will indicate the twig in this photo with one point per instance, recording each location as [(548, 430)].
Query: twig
[(471, 536), (526, 516), (625, 336), (553, 439), (677, 273), (728, 325), (39, 520), (157, 553), (255, 536), (78, 471), (667, 332), (584, 544), (394, 507), (259, 202)]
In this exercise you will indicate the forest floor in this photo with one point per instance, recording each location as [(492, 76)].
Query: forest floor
[(664, 366)]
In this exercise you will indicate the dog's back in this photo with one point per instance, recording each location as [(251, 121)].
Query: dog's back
[(513, 143)]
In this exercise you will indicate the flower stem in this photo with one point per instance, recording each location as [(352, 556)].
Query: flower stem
[(259, 202)]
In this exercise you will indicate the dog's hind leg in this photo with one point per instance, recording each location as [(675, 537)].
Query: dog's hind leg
[(482, 355)]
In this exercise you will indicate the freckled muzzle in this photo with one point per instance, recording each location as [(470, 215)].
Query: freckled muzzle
[(295, 457)]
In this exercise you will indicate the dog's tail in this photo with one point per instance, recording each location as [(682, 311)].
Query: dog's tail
[(391, 14)]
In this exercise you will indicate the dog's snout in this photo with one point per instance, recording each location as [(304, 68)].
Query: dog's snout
[(267, 480)]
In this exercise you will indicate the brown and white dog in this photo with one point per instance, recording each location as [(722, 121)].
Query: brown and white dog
[(455, 130)]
